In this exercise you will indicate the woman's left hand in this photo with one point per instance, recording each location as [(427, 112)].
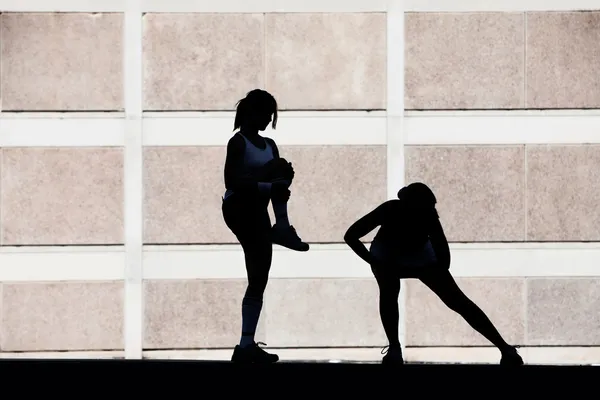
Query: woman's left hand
[(278, 168), (287, 171)]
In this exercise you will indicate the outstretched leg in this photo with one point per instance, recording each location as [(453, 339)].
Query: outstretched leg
[(389, 290), (443, 285)]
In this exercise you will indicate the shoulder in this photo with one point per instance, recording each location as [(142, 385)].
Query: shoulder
[(388, 208), (236, 141), (273, 146), (270, 141), (236, 147), (391, 205)]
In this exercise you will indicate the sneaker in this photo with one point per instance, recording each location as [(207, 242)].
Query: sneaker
[(287, 237), (511, 358), (393, 356), (253, 355)]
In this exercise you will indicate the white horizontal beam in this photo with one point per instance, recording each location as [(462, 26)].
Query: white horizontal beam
[(62, 5), (501, 128), (61, 130), (264, 6), (197, 6), (282, 114), (62, 264), (316, 128), (72, 263), (337, 261), (305, 128), (498, 5), (294, 6), (579, 260), (227, 262)]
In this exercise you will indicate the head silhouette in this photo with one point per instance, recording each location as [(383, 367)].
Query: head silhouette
[(256, 111), (417, 195)]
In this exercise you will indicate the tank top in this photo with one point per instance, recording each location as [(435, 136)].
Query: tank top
[(254, 159)]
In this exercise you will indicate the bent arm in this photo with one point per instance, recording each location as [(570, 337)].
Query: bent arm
[(363, 227), (439, 243)]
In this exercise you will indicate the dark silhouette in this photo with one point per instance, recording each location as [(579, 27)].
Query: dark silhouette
[(411, 243), (255, 175)]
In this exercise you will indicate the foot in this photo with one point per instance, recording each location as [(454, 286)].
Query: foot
[(286, 236), (510, 357), (393, 356), (253, 354)]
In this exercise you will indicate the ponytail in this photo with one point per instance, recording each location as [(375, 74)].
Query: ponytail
[(240, 113)]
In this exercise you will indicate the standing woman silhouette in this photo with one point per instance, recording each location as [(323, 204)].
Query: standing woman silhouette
[(254, 176), (411, 244)]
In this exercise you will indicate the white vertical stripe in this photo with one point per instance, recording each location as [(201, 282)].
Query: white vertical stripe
[(133, 180), (395, 115)]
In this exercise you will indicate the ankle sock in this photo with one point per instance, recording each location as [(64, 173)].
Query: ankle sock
[(281, 214), (251, 308), (280, 210)]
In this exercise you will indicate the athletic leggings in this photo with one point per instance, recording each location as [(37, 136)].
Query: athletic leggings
[(248, 218)]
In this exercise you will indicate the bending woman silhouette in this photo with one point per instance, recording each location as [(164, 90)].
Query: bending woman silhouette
[(255, 175), (411, 244)]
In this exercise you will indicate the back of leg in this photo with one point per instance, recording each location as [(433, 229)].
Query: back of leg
[(248, 219), (258, 255), (389, 291)]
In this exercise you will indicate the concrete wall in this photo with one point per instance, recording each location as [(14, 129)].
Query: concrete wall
[(113, 132)]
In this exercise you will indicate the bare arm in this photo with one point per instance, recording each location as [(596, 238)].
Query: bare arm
[(363, 227)]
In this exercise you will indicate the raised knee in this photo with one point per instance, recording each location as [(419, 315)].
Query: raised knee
[(281, 169)]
